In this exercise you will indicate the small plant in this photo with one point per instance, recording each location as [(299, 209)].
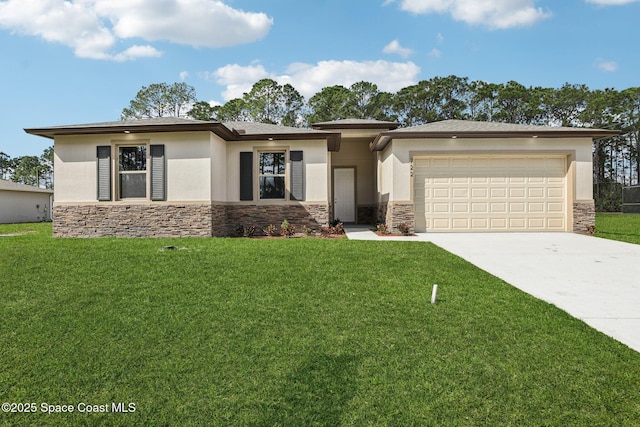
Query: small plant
[(286, 229), (382, 228), (246, 230), (307, 230), (272, 230), (335, 222), (335, 228), (404, 228)]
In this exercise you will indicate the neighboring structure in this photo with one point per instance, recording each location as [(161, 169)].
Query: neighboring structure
[(24, 203), (631, 199), (178, 177)]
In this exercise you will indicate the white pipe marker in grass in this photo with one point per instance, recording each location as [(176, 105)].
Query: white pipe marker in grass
[(434, 293)]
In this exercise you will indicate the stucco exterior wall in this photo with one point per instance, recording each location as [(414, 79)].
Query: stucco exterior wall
[(74, 163), (218, 150), (188, 165), (315, 166), (22, 206), (386, 163), (188, 162)]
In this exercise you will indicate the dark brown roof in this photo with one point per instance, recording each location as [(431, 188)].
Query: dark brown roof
[(476, 129), (162, 124)]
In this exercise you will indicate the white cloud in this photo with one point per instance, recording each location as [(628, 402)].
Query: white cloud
[(93, 28), (309, 79), (237, 79), (435, 52), (394, 47), (608, 66), (136, 51), (208, 23), (611, 2), (495, 14), (183, 75)]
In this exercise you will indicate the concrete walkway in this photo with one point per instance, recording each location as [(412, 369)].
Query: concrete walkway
[(595, 280)]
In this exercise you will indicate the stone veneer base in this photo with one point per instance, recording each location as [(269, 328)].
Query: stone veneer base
[(312, 215), (206, 220), (366, 214), (584, 217), (396, 213), (178, 220)]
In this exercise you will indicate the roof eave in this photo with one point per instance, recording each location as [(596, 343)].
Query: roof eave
[(51, 132), (384, 138), (363, 126), (333, 139)]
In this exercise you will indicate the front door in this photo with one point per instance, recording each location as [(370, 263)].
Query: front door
[(344, 194)]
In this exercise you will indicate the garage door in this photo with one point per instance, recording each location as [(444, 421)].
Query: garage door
[(490, 193)]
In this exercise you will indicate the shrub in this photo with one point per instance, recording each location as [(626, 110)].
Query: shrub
[(287, 229), (382, 228), (272, 230), (404, 228), (307, 230), (335, 228), (246, 230)]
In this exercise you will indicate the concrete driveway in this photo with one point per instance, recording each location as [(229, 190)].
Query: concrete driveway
[(595, 280)]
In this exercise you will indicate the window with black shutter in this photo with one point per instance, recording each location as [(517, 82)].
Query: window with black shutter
[(104, 172), (246, 176), (297, 176), (158, 176)]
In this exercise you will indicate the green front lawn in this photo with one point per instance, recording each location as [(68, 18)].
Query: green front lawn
[(292, 332), (616, 226)]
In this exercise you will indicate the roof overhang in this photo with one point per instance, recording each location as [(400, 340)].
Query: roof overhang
[(129, 127), (332, 138), (358, 125), (384, 138)]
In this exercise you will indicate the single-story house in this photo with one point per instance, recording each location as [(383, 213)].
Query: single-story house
[(24, 203), (179, 177)]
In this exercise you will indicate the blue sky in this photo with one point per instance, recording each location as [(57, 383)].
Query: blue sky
[(82, 61)]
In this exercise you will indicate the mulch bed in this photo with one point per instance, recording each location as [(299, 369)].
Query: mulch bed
[(298, 236)]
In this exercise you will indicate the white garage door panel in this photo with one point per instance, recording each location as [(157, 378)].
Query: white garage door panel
[(490, 193)]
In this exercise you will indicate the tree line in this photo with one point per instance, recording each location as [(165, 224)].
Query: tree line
[(30, 170), (616, 159)]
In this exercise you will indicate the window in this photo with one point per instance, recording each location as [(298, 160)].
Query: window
[(132, 171), (271, 175)]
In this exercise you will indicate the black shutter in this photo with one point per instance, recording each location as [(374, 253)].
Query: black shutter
[(158, 175), (246, 176), (104, 172), (297, 176)]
